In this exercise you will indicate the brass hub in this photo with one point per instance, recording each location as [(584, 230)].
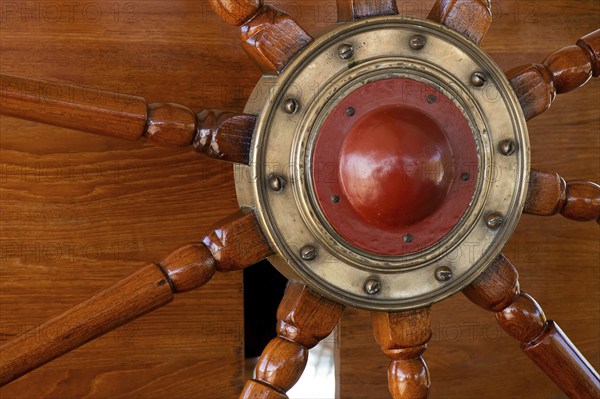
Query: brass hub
[(430, 239)]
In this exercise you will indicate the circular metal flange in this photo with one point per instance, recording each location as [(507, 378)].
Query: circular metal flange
[(317, 81)]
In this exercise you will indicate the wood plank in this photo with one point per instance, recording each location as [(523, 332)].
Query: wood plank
[(80, 211)]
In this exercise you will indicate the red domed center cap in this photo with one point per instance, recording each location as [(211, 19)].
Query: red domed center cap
[(394, 166)]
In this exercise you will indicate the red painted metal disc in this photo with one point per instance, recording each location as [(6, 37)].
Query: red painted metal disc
[(394, 167)]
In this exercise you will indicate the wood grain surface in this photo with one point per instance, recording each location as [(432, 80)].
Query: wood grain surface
[(78, 211), (520, 316), (565, 70), (352, 10), (549, 194), (469, 356), (472, 18), (403, 337)]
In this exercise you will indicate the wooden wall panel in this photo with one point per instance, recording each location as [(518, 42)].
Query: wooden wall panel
[(469, 356), (78, 212)]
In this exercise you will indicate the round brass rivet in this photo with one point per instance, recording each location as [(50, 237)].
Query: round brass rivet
[(408, 238), (346, 51), (335, 198), (350, 111), (478, 79), (443, 273), (276, 183), (465, 177), (494, 220), (507, 147), (372, 286), (290, 106), (308, 252), (431, 98), (417, 42)]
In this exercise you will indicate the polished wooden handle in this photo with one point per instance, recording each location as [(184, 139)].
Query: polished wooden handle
[(352, 10), (304, 318), (223, 135), (536, 85), (75, 107), (270, 37), (234, 244), (497, 290), (549, 194), (403, 337), (471, 18), (553, 348), (129, 299)]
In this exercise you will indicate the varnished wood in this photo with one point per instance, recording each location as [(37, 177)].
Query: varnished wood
[(235, 243), (591, 43), (170, 125), (549, 194), (548, 351), (270, 37), (582, 201), (225, 135), (222, 135), (546, 194), (173, 181), (496, 288), (79, 211), (567, 69), (189, 268), (403, 337), (74, 107), (129, 299), (235, 12), (352, 10), (304, 318), (471, 18), (523, 319)]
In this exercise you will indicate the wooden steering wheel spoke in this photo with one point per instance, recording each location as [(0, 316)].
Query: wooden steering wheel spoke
[(549, 194), (235, 243), (303, 319), (471, 18), (270, 37), (222, 135), (353, 10), (497, 290), (403, 337), (567, 69)]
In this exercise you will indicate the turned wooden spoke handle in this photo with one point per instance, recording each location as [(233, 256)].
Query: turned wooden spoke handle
[(353, 10), (304, 318), (471, 18), (549, 194), (235, 244), (138, 294), (403, 337), (497, 290), (536, 85), (270, 37), (221, 135)]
